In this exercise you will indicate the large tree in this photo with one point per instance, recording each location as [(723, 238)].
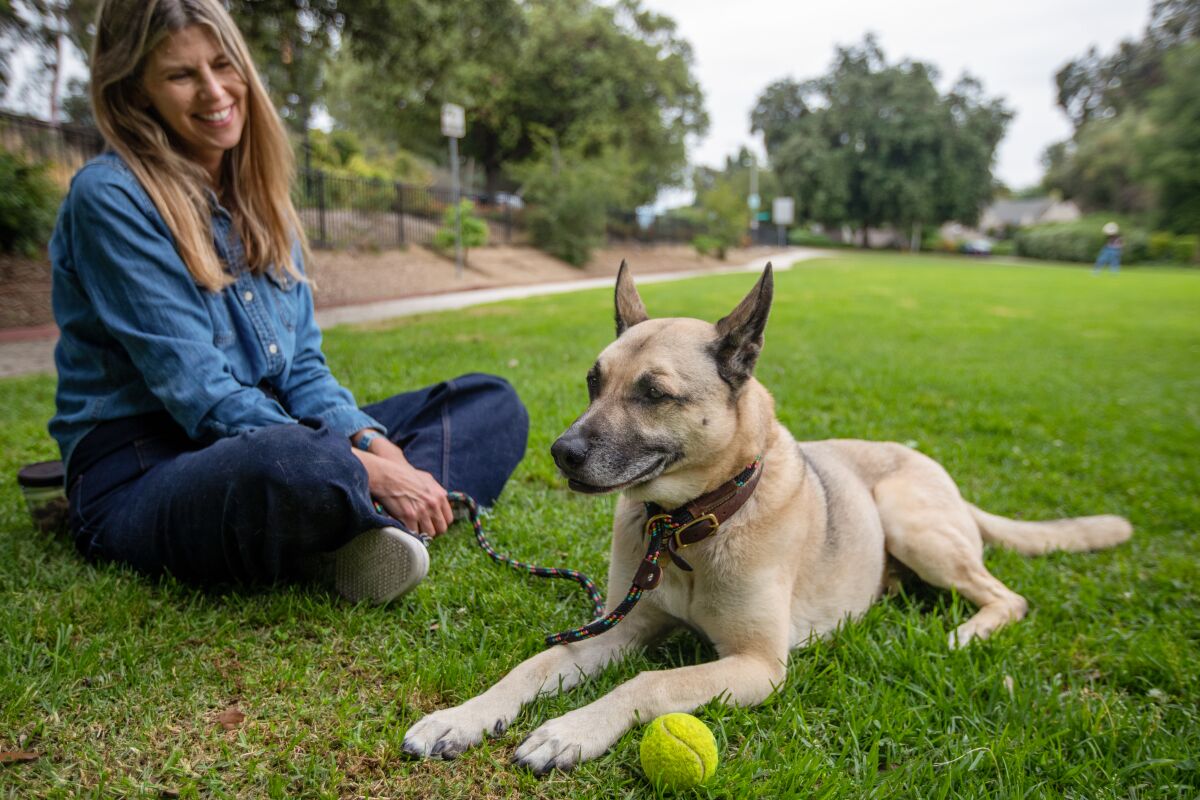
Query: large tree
[(1131, 149), (594, 78), (870, 144)]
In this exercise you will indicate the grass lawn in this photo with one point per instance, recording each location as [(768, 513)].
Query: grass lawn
[(1044, 390)]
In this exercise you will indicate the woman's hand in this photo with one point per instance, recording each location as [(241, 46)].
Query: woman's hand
[(411, 495)]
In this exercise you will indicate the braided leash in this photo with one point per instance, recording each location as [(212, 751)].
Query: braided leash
[(660, 529), (542, 572)]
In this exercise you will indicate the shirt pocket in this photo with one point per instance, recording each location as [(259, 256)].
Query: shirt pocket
[(222, 321)]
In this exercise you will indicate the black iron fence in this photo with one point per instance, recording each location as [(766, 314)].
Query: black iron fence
[(342, 210), (348, 211), (63, 148)]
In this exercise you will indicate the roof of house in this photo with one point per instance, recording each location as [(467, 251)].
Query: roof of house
[(1018, 212)]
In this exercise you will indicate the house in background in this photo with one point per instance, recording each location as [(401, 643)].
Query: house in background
[(1004, 215)]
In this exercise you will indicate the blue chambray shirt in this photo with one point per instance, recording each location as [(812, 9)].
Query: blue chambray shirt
[(138, 335)]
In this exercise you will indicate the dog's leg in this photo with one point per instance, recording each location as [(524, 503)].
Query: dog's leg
[(928, 528), (447, 733), (583, 734)]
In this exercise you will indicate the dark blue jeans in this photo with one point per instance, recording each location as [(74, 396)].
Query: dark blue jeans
[(253, 507)]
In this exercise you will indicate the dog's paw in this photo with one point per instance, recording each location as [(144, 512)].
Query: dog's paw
[(447, 733), (561, 744)]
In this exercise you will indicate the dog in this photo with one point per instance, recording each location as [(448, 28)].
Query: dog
[(674, 412)]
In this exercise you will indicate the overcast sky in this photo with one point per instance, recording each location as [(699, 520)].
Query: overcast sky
[(1013, 46)]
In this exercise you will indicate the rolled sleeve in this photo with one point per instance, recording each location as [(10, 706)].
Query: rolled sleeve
[(143, 294)]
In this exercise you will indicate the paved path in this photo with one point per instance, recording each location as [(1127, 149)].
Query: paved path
[(36, 353)]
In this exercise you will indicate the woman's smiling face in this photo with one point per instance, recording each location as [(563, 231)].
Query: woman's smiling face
[(198, 93)]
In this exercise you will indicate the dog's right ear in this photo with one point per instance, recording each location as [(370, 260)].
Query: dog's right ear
[(630, 310), (740, 334)]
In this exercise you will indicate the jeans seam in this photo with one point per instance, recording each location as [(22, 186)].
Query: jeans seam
[(446, 446)]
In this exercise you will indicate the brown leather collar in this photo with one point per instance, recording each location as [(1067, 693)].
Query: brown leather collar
[(693, 522)]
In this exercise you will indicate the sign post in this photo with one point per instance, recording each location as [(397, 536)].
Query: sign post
[(454, 127), (783, 211)]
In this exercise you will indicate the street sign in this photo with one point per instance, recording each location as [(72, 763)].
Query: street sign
[(454, 121), (783, 211), (753, 201)]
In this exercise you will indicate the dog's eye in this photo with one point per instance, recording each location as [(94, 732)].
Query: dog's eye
[(593, 384), (655, 393)]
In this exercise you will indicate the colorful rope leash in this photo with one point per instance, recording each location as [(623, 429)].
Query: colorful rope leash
[(657, 527), (541, 572)]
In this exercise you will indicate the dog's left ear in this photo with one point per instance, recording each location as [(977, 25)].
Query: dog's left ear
[(740, 335), (630, 309)]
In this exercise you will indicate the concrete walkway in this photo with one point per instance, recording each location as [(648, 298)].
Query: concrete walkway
[(36, 354)]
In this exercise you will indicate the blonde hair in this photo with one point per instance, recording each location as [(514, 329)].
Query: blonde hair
[(255, 175)]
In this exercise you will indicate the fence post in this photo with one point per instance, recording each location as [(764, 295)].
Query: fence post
[(508, 223), (400, 211), (321, 208)]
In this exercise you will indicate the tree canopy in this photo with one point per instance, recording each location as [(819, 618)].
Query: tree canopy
[(870, 144), (1134, 147)]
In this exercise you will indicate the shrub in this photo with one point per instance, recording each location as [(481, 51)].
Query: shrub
[(707, 245), (28, 203), (569, 196), (1162, 245), (1079, 241), (1186, 250), (474, 229), (1004, 248), (802, 237)]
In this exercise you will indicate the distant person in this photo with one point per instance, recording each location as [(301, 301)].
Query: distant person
[(202, 431), (1110, 253)]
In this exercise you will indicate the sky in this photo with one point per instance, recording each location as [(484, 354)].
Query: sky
[(1013, 46)]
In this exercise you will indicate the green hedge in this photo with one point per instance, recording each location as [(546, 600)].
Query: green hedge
[(1079, 241)]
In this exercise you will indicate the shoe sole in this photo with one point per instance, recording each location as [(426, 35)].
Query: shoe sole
[(379, 566)]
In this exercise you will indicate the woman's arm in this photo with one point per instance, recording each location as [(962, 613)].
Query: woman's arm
[(411, 495)]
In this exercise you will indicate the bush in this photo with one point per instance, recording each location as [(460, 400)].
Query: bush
[(474, 229), (803, 237), (1080, 241), (1162, 245), (569, 196), (28, 204), (1186, 250), (1004, 248), (709, 246)]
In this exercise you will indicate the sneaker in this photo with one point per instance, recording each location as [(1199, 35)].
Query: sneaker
[(379, 566)]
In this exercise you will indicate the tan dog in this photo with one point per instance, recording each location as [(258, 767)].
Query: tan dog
[(675, 411)]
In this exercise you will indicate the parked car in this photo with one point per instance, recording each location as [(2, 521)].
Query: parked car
[(976, 247)]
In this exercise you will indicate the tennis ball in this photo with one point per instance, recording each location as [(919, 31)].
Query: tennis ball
[(678, 751)]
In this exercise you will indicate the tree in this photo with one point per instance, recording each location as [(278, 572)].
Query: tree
[(598, 78), (1172, 148), (1097, 87), (870, 144)]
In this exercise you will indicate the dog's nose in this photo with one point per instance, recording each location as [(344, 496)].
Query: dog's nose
[(569, 451)]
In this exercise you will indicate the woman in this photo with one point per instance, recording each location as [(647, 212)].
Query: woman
[(202, 431)]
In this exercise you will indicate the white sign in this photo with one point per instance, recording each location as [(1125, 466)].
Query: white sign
[(754, 202), (783, 211), (454, 121)]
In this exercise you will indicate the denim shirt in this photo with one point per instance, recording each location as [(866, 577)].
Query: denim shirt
[(138, 335)]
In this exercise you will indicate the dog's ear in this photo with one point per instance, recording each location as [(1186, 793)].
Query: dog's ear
[(740, 335), (630, 310)]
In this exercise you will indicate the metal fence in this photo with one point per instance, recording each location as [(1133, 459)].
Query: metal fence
[(63, 148), (346, 211), (340, 210)]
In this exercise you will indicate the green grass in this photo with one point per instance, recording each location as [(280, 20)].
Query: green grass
[(1045, 391)]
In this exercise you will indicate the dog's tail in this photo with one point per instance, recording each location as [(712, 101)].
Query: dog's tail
[(1035, 538)]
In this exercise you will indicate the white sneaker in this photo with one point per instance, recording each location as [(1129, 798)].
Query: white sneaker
[(379, 566)]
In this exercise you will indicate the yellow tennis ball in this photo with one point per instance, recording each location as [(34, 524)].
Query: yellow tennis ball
[(678, 751)]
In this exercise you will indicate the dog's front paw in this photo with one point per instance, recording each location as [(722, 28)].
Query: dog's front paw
[(447, 733), (562, 744)]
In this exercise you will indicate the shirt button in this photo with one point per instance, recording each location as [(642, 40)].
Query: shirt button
[(249, 296), (272, 348)]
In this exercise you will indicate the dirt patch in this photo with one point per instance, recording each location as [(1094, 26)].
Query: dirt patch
[(347, 277)]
